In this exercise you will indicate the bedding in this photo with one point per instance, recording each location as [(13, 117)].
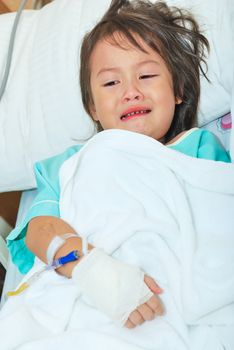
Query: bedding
[(222, 128), (42, 99), (132, 197), (13, 276)]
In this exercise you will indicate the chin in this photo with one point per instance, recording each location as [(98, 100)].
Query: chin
[(138, 130)]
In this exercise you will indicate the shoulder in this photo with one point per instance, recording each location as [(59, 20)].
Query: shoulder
[(52, 165), (200, 143), (47, 171), (210, 147)]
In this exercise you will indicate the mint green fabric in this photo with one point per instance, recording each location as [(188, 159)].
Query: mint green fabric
[(196, 143), (199, 143), (46, 203)]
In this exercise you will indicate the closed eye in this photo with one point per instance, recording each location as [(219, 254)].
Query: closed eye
[(111, 83), (148, 76)]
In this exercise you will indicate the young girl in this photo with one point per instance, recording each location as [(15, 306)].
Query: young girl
[(140, 68)]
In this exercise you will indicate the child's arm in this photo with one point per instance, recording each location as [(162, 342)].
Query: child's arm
[(40, 232)]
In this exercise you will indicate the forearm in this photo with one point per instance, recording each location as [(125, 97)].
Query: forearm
[(41, 231)]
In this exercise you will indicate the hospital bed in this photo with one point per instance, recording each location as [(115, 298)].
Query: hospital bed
[(50, 290), (13, 276), (39, 110)]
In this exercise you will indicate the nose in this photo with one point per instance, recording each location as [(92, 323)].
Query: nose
[(132, 92)]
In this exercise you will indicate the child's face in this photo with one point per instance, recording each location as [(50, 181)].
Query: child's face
[(131, 90)]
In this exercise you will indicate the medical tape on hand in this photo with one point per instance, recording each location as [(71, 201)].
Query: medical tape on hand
[(113, 287), (56, 243)]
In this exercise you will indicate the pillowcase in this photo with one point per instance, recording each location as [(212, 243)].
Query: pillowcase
[(41, 112), (216, 22)]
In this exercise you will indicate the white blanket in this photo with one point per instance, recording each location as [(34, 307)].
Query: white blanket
[(170, 214)]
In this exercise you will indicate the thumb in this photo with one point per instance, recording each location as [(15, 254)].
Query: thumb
[(152, 285)]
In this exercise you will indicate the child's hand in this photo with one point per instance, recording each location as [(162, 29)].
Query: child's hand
[(115, 288), (149, 310)]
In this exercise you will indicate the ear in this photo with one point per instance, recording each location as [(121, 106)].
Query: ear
[(178, 100)]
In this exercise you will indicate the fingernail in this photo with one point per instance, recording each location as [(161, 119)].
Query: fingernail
[(159, 290)]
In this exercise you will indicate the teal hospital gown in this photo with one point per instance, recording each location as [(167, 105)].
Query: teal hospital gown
[(196, 143)]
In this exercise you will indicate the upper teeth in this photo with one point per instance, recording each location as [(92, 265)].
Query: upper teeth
[(136, 112)]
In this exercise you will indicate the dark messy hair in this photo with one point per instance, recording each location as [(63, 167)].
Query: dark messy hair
[(172, 32)]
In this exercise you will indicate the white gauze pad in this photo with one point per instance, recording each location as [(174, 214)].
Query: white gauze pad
[(113, 287)]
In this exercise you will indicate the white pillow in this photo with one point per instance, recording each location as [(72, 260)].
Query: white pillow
[(41, 111), (216, 21)]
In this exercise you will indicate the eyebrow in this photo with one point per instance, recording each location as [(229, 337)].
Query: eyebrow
[(116, 69)]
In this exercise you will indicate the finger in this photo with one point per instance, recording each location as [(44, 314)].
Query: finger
[(156, 305), (136, 318), (129, 324), (146, 312), (152, 285)]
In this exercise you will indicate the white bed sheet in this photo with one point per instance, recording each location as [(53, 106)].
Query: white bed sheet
[(13, 276)]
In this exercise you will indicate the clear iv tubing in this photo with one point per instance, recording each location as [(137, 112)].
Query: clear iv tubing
[(10, 48), (35, 276)]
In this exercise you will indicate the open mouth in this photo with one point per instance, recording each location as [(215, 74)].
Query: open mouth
[(135, 114)]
